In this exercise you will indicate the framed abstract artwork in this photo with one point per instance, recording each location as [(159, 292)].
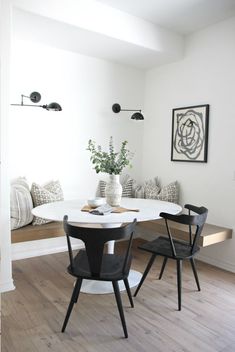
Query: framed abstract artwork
[(190, 133)]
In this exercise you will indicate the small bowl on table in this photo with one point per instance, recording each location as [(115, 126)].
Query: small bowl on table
[(95, 202)]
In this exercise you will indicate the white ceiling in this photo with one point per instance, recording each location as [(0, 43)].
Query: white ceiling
[(139, 33), (181, 16)]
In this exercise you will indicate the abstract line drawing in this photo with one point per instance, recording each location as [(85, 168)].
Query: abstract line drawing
[(190, 133)]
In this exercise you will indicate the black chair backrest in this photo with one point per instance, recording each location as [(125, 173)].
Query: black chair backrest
[(197, 221), (95, 239)]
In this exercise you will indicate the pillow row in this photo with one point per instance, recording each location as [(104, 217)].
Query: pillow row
[(152, 190), (22, 200), (149, 189)]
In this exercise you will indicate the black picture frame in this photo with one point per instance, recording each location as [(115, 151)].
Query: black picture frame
[(189, 140)]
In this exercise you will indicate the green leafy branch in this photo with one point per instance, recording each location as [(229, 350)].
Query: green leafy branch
[(110, 162)]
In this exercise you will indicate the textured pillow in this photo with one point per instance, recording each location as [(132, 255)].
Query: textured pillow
[(21, 203), (149, 189), (126, 183), (49, 192), (170, 193)]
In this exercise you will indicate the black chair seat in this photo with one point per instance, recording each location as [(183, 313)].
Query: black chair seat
[(161, 246), (168, 247), (111, 268)]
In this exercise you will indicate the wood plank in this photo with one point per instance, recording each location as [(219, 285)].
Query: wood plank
[(32, 315), (37, 232), (40, 232), (211, 234)]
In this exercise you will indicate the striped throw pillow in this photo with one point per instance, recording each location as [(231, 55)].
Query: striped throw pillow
[(21, 203)]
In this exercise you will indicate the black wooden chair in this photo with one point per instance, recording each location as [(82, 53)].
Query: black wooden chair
[(178, 250), (93, 264)]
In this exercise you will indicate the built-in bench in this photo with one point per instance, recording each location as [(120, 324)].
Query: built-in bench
[(211, 233)]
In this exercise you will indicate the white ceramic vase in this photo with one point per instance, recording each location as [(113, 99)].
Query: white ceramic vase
[(113, 191)]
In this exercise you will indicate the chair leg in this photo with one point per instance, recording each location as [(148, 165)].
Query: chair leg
[(163, 267), (148, 267), (179, 270), (126, 282), (73, 300), (119, 304), (195, 273)]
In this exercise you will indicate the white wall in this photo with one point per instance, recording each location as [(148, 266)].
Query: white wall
[(52, 145), (46, 145), (6, 282), (205, 76)]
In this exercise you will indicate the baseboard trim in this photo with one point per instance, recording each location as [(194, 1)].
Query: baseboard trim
[(215, 262), (37, 248), (7, 286)]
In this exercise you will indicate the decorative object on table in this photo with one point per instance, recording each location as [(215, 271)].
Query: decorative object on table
[(190, 133), (104, 209), (35, 97), (47, 193), (136, 116), (95, 202), (113, 190), (127, 186), (117, 210), (112, 163)]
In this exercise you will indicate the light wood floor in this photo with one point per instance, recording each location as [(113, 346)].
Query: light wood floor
[(32, 315)]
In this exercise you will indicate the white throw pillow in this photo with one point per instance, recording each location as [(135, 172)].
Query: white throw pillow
[(170, 193), (21, 203), (149, 189), (47, 193)]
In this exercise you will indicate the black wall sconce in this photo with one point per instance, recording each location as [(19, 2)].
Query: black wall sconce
[(136, 116), (35, 97)]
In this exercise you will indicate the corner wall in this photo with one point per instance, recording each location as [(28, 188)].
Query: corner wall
[(205, 76), (52, 145)]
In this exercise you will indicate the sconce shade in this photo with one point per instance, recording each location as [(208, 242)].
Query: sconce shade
[(52, 107), (136, 116), (35, 97)]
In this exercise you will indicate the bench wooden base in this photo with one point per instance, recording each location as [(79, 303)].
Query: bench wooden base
[(211, 233), (37, 232), (40, 232)]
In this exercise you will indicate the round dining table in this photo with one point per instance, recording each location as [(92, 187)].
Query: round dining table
[(141, 209)]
